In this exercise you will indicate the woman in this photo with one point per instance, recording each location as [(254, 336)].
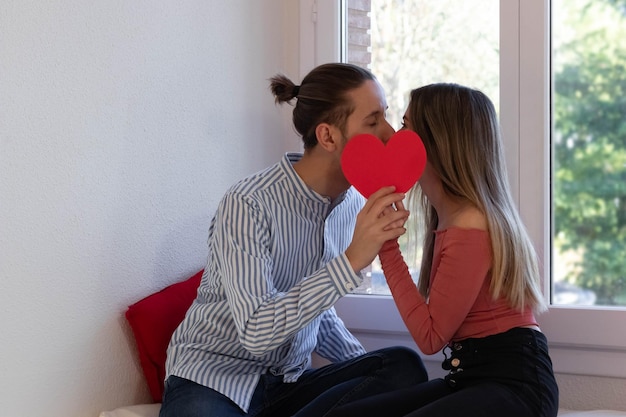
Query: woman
[(479, 284)]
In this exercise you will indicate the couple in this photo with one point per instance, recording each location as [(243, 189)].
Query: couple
[(288, 242)]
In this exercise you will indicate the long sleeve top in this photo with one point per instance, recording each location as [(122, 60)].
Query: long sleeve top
[(276, 266), (459, 304)]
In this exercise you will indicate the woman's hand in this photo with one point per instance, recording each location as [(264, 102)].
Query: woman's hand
[(382, 218)]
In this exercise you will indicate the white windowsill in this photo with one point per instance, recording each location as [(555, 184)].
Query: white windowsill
[(375, 320)]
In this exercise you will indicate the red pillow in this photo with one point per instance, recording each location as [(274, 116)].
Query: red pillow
[(153, 320)]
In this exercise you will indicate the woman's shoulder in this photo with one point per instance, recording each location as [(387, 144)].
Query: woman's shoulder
[(463, 234), (469, 218)]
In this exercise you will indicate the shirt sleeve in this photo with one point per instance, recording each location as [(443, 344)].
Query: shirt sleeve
[(264, 316), (334, 341), (455, 285)]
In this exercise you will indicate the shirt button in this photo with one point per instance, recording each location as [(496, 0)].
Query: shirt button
[(455, 362), (350, 286)]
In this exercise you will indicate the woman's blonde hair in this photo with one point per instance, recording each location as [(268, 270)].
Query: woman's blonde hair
[(459, 128)]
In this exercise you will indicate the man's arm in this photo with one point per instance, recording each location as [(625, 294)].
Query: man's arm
[(265, 317), (334, 341)]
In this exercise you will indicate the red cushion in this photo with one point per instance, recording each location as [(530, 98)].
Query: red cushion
[(153, 320)]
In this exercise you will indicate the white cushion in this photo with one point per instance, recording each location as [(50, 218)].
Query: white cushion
[(591, 413), (152, 410), (141, 410)]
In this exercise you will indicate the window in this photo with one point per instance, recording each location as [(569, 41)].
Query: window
[(526, 87), (416, 42), (589, 151)]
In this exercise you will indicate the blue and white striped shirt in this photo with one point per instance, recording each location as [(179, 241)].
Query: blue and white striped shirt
[(275, 269)]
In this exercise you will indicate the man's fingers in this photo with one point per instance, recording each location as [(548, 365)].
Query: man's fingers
[(394, 219), (384, 201), (375, 197)]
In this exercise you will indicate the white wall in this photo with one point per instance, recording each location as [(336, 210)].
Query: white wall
[(121, 125)]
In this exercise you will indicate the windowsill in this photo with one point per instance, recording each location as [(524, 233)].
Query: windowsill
[(583, 341)]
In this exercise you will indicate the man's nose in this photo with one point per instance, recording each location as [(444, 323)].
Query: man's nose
[(387, 132)]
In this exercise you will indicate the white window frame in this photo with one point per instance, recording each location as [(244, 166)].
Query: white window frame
[(583, 340)]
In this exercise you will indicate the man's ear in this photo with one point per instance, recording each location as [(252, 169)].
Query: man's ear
[(328, 136)]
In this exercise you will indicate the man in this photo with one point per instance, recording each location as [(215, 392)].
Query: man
[(285, 244)]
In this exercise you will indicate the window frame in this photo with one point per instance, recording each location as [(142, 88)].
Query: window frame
[(583, 340)]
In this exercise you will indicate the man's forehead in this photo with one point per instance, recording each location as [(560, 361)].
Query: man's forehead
[(369, 99)]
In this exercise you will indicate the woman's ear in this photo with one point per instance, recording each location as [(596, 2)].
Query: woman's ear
[(328, 136)]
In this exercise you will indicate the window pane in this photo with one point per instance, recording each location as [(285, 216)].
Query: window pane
[(410, 43), (589, 152)]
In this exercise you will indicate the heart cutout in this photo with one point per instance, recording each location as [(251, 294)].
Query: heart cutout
[(369, 164)]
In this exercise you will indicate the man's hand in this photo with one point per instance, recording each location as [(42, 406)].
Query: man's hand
[(382, 218)]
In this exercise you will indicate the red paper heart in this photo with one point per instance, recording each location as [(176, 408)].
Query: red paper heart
[(369, 164)]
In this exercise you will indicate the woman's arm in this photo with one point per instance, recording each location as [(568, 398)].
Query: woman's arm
[(458, 278)]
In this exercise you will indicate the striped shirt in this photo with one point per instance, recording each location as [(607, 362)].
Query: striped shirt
[(276, 267)]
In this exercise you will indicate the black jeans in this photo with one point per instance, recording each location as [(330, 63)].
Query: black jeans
[(315, 393), (509, 374)]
